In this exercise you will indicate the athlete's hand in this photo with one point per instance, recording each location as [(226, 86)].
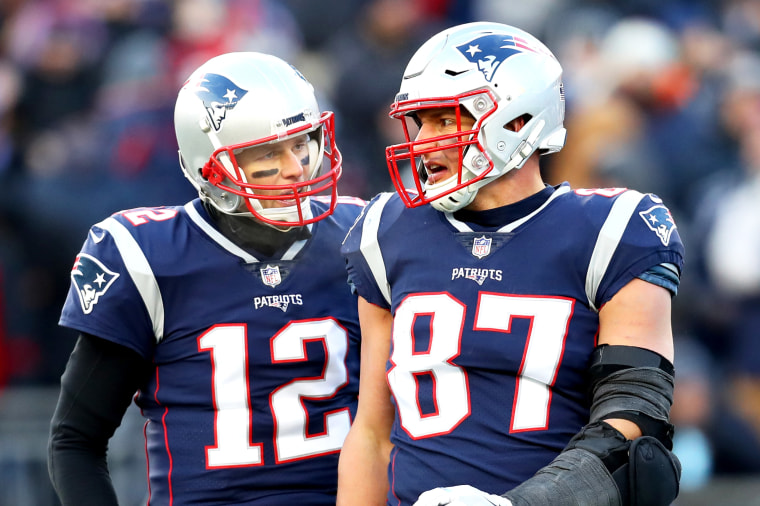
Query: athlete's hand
[(461, 495)]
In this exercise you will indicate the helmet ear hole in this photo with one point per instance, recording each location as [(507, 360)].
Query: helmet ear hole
[(518, 123)]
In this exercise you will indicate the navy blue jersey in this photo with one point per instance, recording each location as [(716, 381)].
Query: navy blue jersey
[(493, 329), (256, 360)]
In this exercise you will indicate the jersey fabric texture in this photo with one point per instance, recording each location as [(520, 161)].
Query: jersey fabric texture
[(494, 326), (256, 359)]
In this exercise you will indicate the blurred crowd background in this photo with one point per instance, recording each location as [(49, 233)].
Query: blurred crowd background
[(662, 96)]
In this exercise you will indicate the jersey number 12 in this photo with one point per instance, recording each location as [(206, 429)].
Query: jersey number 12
[(233, 416)]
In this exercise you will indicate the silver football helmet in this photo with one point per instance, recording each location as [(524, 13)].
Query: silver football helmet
[(496, 73), (239, 100)]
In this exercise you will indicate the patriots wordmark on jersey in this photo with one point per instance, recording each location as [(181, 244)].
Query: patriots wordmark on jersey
[(494, 326), (256, 369)]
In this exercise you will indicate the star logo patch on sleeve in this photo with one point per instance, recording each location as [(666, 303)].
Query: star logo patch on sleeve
[(92, 279), (659, 220)]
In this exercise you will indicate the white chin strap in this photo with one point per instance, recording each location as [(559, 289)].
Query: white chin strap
[(454, 201), (526, 148), (289, 213), (283, 214)]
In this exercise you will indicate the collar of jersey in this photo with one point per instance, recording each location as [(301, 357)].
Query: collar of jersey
[(199, 216), (513, 214)]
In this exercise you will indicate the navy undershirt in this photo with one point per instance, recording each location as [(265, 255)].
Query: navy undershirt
[(491, 219)]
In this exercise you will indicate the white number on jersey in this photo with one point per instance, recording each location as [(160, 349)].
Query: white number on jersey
[(233, 418), (541, 358)]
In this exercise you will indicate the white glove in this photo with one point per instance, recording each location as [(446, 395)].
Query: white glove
[(461, 495)]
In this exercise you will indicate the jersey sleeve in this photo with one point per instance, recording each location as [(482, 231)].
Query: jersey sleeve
[(103, 299), (364, 257), (649, 239)]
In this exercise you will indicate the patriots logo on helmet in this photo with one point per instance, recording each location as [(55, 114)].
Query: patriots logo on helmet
[(298, 73), (490, 51), (659, 220), (92, 280), (219, 95)]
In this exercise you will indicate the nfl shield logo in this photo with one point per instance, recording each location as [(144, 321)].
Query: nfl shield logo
[(271, 275), (481, 246)]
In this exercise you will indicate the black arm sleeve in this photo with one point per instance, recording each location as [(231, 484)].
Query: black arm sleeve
[(97, 387)]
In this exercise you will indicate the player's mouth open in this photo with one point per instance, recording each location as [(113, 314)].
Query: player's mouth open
[(436, 173)]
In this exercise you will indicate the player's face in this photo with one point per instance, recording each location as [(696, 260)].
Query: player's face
[(281, 163), (443, 164)]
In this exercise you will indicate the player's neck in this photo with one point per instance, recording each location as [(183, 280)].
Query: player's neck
[(514, 186), (254, 236)]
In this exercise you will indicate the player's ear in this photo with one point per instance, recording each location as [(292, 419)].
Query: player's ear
[(516, 124)]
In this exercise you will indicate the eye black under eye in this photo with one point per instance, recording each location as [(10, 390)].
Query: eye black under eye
[(264, 173)]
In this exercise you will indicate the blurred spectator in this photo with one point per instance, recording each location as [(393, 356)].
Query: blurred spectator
[(741, 19), (5, 290), (732, 244), (694, 402), (201, 29), (369, 56), (647, 125), (10, 90), (22, 356), (733, 248), (530, 16), (58, 47), (320, 21)]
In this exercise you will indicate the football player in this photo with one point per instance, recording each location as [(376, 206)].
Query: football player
[(516, 336), (229, 319)]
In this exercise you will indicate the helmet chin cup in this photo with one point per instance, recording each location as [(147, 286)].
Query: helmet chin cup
[(454, 201), (283, 217)]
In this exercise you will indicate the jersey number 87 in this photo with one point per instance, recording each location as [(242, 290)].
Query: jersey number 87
[(541, 358)]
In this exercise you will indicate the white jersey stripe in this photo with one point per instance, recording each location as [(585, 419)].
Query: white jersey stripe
[(217, 236), (370, 246), (140, 271), (607, 241)]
